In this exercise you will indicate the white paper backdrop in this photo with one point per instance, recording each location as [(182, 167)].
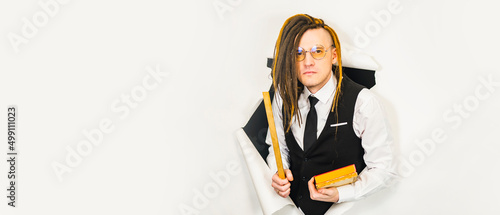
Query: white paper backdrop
[(161, 87)]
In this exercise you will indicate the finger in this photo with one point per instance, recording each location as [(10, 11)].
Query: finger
[(285, 193), (315, 195), (283, 188), (276, 179), (327, 192), (310, 185), (289, 174)]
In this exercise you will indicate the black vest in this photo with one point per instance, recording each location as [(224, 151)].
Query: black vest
[(336, 147)]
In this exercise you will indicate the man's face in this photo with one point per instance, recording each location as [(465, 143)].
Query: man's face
[(313, 73)]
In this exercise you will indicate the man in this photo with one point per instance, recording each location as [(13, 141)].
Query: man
[(324, 120)]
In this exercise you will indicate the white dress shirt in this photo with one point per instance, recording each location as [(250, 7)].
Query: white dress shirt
[(369, 124)]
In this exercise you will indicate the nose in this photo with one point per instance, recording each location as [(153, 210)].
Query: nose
[(309, 60)]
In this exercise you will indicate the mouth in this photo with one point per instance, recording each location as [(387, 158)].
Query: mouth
[(308, 73)]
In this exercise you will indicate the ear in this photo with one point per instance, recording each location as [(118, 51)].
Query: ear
[(334, 55)]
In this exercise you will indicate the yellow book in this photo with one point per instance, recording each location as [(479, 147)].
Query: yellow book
[(336, 178)]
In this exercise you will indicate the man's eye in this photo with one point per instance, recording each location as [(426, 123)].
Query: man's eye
[(318, 51)]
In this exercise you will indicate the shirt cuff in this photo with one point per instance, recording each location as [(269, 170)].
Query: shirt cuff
[(346, 193)]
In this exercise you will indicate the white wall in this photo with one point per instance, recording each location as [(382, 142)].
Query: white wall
[(174, 146)]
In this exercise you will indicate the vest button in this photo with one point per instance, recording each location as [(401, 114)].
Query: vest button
[(305, 159), (303, 178), (300, 196)]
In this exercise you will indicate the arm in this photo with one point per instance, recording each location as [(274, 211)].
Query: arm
[(371, 125)]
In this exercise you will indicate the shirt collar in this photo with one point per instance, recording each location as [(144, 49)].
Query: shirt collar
[(325, 92)]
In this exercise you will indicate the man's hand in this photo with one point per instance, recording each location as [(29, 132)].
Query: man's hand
[(282, 186), (330, 194)]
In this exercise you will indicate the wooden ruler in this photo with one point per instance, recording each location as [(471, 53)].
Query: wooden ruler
[(274, 136)]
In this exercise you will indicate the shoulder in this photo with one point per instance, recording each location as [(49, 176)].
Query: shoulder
[(367, 102), (351, 85)]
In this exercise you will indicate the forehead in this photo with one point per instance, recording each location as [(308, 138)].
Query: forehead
[(317, 36)]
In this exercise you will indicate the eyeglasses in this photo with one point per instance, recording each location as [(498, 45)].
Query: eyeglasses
[(318, 52)]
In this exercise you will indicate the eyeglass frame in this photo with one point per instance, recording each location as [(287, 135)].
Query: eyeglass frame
[(310, 53)]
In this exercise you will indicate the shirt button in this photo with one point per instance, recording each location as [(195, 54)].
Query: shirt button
[(303, 178), (300, 196), (305, 159)]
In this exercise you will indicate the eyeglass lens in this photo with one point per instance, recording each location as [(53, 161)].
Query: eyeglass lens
[(317, 52)]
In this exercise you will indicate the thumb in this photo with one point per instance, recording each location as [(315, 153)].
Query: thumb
[(289, 175)]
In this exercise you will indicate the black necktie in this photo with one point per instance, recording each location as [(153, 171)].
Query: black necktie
[(311, 125)]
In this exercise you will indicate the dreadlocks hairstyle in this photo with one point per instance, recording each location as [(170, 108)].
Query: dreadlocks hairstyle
[(285, 80)]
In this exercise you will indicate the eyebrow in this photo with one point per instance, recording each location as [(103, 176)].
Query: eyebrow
[(315, 45)]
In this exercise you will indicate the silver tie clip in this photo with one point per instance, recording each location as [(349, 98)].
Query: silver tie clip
[(338, 124)]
